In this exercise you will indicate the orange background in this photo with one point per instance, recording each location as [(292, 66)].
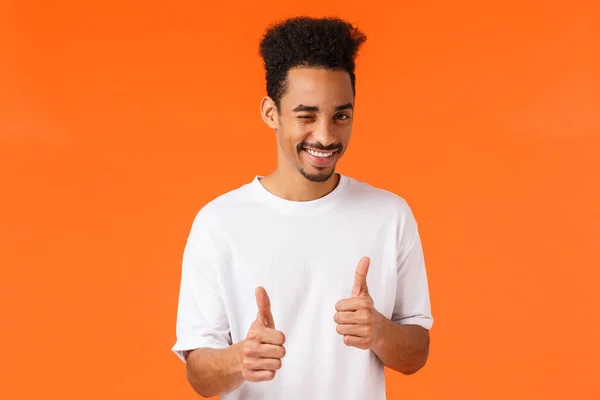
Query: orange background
[(119, 121)]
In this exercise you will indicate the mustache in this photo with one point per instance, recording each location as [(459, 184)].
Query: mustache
[(318, 146)]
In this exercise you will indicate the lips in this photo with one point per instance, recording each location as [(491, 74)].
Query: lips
[(320, 153), (323, 159)]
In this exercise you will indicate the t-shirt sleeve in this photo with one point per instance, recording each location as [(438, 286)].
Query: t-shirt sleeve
[(412, 305), (201, 315)]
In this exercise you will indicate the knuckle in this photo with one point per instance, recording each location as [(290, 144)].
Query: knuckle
[(280, 338), (247, 363), (246, 349), (252, 335), (252, 349)]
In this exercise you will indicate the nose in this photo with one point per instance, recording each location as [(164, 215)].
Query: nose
[(324, 134)]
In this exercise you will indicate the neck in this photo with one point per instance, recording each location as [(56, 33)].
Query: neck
[(295, 187)]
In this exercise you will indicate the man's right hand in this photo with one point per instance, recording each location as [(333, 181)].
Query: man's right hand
[(263, 347)]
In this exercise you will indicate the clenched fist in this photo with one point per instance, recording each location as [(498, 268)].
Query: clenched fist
[(356, 317), (263, 347)]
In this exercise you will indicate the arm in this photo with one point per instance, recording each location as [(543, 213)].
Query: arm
[(403, 348), (214, 364), (401, 342), (203, 334), (214, 372)]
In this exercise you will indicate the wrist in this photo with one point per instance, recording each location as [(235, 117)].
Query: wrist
[(237, 350), (379, 332)]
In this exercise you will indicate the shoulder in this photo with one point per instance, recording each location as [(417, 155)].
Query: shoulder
[(213, 215), (372, 196), (389, 207)]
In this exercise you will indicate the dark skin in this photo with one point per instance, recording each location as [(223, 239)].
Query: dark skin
[(316, 114), (403, 348)]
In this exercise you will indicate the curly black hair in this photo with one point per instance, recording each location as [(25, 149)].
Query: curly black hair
[(329, 43)]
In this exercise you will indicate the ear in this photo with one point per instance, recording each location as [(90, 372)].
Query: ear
[(268, 111)]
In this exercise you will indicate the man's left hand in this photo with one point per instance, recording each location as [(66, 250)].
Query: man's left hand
[(356, 317)]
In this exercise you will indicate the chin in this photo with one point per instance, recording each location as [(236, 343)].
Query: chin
[(315, 175)]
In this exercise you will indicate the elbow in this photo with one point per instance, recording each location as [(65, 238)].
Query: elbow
[(200, 388), (411, 369), (200, 392), (419, 360), (206, 395), (197, 385)]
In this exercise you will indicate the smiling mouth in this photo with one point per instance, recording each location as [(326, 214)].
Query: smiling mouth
[(321, 158), (320, 154)]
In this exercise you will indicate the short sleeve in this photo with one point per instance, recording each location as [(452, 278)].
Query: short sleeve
[(412, 305), (201, 315)]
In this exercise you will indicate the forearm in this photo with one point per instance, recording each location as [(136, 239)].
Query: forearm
[(213, 372), (404, 348)]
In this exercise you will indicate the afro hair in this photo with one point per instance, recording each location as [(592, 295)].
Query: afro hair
[(329, 43)]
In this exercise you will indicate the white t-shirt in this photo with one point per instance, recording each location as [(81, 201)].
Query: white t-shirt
[(304, 254)]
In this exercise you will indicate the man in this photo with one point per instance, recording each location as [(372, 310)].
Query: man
[(305, 283)]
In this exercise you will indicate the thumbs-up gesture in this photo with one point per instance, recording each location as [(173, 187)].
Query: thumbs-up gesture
[(356, 317), (263, 347)]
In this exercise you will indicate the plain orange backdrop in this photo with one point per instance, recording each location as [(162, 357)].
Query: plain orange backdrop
[(119, 120)]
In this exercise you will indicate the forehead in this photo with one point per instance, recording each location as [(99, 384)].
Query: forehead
[(318, 87)]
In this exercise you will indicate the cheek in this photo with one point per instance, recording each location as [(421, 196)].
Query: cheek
[(290, 137), (345, 132)]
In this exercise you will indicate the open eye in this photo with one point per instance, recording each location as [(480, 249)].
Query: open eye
[(342, 117)]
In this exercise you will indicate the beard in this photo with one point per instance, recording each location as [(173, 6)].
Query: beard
[(318, 177), (326, 172)]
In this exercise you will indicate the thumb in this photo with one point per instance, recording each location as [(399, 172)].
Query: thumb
[(264, 308), (360, 277)]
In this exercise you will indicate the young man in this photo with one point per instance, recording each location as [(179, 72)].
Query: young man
[(305, 283)]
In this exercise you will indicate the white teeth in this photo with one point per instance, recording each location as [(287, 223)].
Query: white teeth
[(318, 154)]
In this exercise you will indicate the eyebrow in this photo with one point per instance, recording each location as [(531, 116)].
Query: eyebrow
[(302, 107), (345, 107)]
